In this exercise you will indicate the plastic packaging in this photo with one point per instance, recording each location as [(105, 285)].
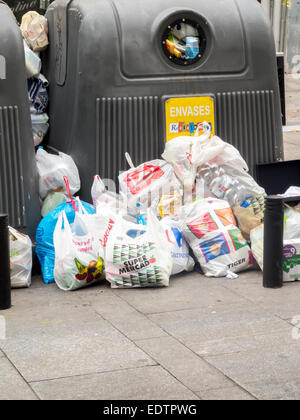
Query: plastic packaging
[(77, 260), (40, 127), (211, 231), (182, 261), (44, 235), (20, 259), (138, 256), (37, 93), (53, 200), (147, 183), (34, 28), (103, 198), (52, 169), (32, 61), (170, 205), (257, 244)]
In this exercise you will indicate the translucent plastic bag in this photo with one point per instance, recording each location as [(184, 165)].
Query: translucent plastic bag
[(188, 153), (20, 259), (34, 28), (182, 261), (102, 197), (77, 260), (138, 256), (53, 200), (147, 183), (257, 244), (210, 229), (291, 242), (52, 172), (44, 235), (237, 187)]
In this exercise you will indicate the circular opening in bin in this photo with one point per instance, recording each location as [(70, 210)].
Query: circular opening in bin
[(184, 41)]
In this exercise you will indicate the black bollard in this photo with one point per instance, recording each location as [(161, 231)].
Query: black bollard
[(5, 286), (273, 243)]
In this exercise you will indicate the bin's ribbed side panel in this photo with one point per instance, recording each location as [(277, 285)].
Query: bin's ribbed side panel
[(246, 120), (127, 124), (11, 171)]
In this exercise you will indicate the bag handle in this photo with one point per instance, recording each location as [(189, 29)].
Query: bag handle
[(205, 127), (80, 207), (62, 219), (129, 160), (69, 194)]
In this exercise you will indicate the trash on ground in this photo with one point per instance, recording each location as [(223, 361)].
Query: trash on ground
[(138, 256), (210, 229), (44, 235), (20, 259), (147, 183), (182, 261), (77, 260), (202, 203)]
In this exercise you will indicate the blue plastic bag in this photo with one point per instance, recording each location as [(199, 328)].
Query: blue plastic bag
[(44, 237)]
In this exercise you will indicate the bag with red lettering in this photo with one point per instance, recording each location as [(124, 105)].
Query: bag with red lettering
[(138, 255), (147, 183), (78, 259)]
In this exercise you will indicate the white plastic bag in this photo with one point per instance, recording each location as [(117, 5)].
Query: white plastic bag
[(77, 259), (138, 256), (20, 259), (257, 244), (32, 61), (210, 229), (182, 261), (291, 243), (147, 183), (52, 170), (102, 197), (188, 153)]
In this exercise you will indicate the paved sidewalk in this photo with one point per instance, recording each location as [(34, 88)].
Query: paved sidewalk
[(292, 137), (199, 339)]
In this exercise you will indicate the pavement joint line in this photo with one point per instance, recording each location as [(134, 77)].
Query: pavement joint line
[(207, 363), (79, 375), (19, 373), (152, 358)]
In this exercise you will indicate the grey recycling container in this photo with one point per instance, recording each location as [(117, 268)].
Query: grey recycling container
[(125, 76), (18, 173)]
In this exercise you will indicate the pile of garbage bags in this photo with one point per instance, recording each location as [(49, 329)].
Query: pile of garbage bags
[(34, 29), (196, 205)]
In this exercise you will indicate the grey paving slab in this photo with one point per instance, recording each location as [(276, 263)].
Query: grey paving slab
[(267, 365), (125, 318), (223, 329), (185, 292), (21, 319), (254, 292), (181, 362), (147, 383), (276, 390), (12, 385), (72, 349), (234, 393)]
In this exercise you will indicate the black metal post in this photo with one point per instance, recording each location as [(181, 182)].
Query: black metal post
[(5, 286), (273, 243)]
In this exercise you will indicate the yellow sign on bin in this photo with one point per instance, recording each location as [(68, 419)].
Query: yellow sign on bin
[(183, 115)]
